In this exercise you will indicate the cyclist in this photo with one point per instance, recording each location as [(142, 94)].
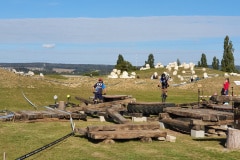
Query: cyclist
[(99, 89), (163, 83)]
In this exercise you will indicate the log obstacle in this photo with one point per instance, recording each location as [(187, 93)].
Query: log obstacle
[(233, 138), (144, 131)]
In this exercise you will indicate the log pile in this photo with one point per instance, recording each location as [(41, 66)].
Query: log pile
[(145, 131), (101, 108), (185, 119)]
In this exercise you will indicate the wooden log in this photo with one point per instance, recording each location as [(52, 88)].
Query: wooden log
[(117, 117), (109, 104), (163, 115), (109, 98), (206, 114), (127, 134), (220, 107), (30, 115), (49, 114), (178, 124), (233, 139), (118, 104), (80, 131), (79, 116), (224, 98), (125, 127), (208, 123), (92, 110)]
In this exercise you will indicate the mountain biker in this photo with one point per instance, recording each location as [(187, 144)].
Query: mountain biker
[(99, 89), (164, 85)]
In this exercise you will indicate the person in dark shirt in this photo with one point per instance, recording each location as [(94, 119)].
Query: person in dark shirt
[(99, 89), (163, 83)]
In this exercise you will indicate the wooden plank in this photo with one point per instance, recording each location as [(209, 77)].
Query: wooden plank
[(110, 98), (125, 127), (126, 134)]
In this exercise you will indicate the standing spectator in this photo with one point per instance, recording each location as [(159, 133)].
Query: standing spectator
[(99, 89), (226, 85)]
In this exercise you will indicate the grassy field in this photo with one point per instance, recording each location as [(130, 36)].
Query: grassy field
[(19, 138)]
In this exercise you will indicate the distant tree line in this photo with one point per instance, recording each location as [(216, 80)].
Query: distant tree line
[(47, 68), (227, 62)]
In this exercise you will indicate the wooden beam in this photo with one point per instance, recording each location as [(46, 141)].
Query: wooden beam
[(205, 114), (131, 134), (208, 123), (117, 117), (178, 124), (121, 127)]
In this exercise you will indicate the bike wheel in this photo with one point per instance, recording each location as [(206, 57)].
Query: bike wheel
[(164, 97)]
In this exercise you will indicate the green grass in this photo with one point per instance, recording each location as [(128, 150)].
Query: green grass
[(19, 138)]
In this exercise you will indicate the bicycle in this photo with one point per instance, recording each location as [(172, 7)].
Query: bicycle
[(164, 95)]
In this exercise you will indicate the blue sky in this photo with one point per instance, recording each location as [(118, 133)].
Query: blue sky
[(97, 31)]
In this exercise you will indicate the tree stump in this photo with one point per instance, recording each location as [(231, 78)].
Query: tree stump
[(233, 139)]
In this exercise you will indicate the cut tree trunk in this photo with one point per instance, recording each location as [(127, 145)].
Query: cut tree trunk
[(233, 139)]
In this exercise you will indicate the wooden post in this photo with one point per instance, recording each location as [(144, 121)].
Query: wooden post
[(233, 138), (4, 156), (62, 105)]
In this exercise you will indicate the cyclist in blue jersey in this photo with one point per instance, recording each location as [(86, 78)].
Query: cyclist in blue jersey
[(99, 89)]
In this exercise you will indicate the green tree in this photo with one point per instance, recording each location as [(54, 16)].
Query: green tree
[(178, 62), (227, 63), (199, 64), (215, 63), (124, 65), (120, 59), (150, 61), (203, 61)]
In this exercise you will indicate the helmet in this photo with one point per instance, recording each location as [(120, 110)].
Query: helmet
[(100, 79)]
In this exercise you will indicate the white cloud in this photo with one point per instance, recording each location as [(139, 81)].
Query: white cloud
[(48, 45), (80, 39)]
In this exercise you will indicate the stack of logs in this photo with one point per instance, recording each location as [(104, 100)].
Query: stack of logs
[(145, 132)]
